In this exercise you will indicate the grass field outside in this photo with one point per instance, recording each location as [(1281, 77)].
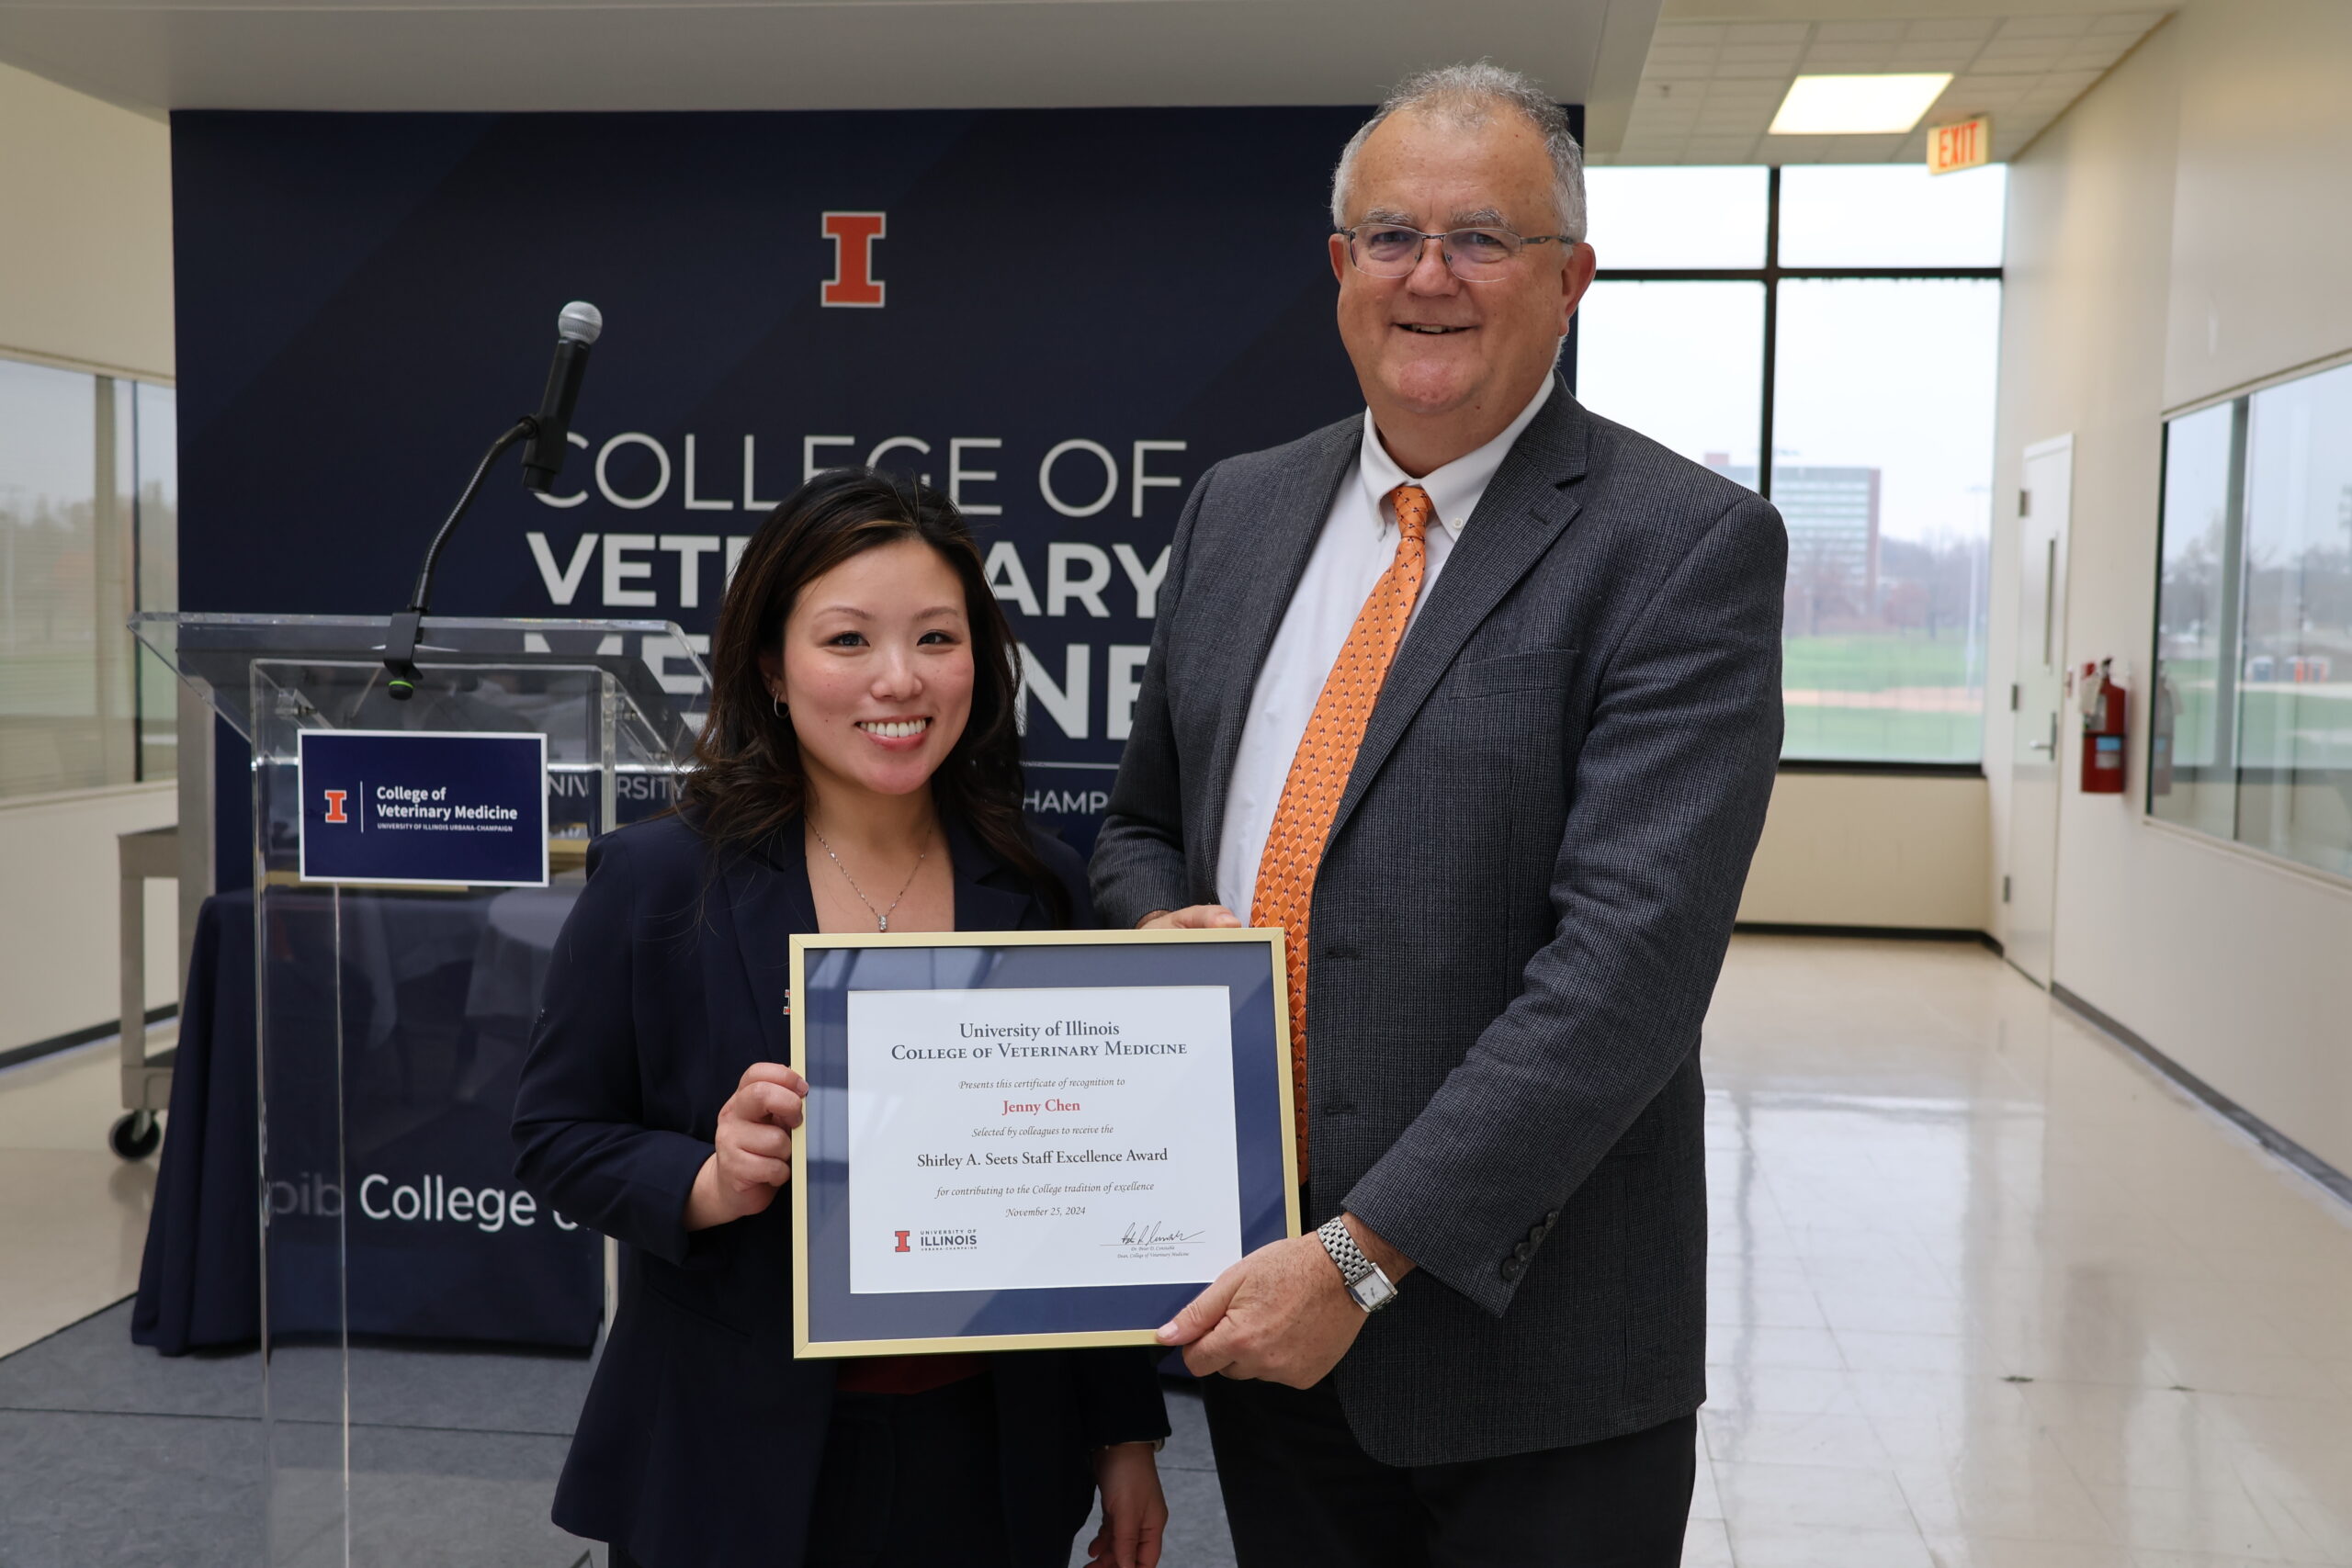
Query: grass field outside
[(1884, 697)]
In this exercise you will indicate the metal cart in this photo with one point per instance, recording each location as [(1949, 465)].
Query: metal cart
[(146, 1078)]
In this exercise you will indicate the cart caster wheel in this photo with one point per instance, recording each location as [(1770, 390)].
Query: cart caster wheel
[(135, 1134)]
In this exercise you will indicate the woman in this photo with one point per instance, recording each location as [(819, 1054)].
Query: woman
[(859, 772)]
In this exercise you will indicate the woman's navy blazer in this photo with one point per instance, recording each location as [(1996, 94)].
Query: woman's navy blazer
[(701, 1439)]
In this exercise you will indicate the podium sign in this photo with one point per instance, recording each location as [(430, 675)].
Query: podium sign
[(392, 1020), (392, 808)]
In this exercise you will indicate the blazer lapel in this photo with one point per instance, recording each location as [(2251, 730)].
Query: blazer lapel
[(979, 906), (758, 902), (1294, 521), (1524, 509)]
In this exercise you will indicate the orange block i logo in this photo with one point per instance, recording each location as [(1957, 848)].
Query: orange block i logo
[(853, 234)]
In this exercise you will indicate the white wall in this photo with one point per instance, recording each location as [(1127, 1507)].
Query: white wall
[(59, 919), (85, 230), (2185, 229), (1871, 850), (85, 280)]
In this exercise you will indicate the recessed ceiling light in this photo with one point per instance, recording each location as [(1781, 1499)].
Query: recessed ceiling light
[(1857, 106)]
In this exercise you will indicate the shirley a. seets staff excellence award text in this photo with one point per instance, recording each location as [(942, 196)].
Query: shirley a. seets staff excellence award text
[(1025, 1139)]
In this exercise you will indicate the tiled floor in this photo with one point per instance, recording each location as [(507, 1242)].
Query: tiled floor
[(72, 1217), (1986, 1291)]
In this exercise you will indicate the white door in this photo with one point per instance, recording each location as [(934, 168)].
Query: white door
[(2037, 754)]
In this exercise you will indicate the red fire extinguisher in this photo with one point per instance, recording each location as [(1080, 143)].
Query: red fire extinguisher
[(2104, 708)]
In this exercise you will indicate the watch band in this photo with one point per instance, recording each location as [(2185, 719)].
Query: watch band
[(1354, 1267), (1367, 1286)]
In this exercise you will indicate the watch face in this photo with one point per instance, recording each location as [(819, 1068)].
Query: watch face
[(1372, 1292)]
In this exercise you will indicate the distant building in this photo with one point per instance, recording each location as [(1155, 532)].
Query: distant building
[(1832, 514)]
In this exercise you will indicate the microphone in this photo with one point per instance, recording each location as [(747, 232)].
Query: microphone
[(543, 437), (576, 329)]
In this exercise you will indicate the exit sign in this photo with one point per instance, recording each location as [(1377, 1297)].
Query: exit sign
[(1960, 146)]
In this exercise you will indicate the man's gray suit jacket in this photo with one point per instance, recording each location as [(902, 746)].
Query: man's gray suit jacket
[(1520, 913)]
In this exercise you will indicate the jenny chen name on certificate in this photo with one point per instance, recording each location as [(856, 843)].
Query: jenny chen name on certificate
[(1018, 1139)]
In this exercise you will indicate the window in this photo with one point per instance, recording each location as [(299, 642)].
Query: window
[(155, 484), (1684, 363), (81, 550), (1845, 319), (2251, 726)]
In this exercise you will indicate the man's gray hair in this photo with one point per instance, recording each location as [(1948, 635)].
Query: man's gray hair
[(1466, 95)]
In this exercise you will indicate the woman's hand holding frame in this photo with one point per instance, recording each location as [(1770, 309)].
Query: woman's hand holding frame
[(751, 1152)]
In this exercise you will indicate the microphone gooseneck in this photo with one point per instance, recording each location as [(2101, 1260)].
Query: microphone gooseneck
[(546, 433)]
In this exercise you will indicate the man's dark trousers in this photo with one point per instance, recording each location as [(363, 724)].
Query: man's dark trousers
[(1298, 1490)]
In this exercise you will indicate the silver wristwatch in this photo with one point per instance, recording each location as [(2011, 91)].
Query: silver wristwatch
[(1372, 1288)]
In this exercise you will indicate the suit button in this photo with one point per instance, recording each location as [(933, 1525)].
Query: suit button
[(1510, 1267), (1536, 1234), (1552, 1219), (1521, 1251)]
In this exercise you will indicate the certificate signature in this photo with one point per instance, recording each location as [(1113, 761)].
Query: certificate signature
[(1152, 1233)]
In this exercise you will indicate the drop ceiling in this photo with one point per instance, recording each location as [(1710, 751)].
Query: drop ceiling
[(1663, 81), (1709, 87)]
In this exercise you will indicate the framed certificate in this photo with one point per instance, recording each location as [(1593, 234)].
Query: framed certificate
[(1019, 1140)]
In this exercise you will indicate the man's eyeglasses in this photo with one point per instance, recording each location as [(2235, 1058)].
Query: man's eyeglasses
[(1473, 255)]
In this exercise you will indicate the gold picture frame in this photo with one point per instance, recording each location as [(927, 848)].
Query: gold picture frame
[(1269, 937)]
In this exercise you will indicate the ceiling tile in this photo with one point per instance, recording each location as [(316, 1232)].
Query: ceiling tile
[(2021, 54), (1957, 29), (1729, 71), (1759, 55), (1974, 83), (1709, 33), (1848, 56), (1766, 32), (2130, 25), (2045, 27), (1858, 32), (1952, 56)]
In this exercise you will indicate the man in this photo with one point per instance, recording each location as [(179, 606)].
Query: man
[(1478, 697)]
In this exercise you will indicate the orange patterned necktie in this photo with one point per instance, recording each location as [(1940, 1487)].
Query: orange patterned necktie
[(1318, 772)]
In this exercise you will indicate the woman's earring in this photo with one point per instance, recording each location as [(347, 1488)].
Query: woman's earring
[(776, 702)]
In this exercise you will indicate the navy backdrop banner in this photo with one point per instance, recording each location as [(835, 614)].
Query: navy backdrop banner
[(1062, 317)]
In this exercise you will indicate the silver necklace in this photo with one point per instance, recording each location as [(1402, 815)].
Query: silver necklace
[(881, 917)]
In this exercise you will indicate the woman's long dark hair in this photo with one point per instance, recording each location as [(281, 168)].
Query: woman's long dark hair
[(748, 781)]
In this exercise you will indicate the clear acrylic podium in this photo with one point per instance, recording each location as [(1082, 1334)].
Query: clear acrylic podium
[(411, 1296)]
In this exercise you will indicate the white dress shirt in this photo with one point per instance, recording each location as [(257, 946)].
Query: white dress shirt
[(1358, 543)]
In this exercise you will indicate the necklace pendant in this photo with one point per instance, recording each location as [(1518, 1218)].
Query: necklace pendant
[(881, 922)]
